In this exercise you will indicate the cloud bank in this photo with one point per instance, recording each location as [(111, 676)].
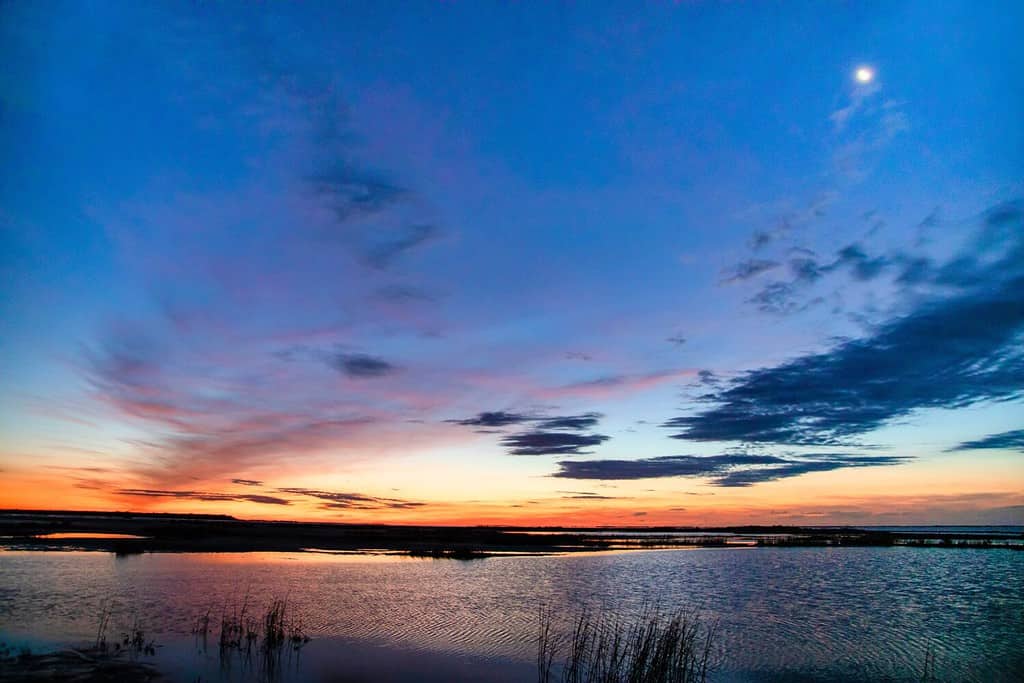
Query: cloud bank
[(956, 347)]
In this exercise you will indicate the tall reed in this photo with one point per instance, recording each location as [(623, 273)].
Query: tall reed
[(602, 648)]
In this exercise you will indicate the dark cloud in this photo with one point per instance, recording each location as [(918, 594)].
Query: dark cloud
[(578, 355), (350, 192), (372, 213), (335, 500), (361, 366), (805, 269), (247, 482), (377, 505), (749, 477), (501, 418), (999, 237), (962, 345), (745, 270), (355, 365), (914, 271), (1005, 214), (1010, 441), (204, 496), (664, 466), (862, 266), (266, 500), (551, 443), (730, 470), (498, 418), (574, 422), (707, 377), (553, 435), (946, 354), (584, 495), (761, 239), (780, 298)]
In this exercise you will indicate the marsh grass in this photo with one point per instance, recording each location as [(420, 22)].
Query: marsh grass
[(102, 626), (254, 638), (928, 672), (654, 648), (459, 553), (201, 626), (133, 641)]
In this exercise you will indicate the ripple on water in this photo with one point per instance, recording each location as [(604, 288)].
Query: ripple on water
[(863, 613)]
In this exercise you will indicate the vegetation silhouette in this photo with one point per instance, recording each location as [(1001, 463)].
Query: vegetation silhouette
[(656, 647)]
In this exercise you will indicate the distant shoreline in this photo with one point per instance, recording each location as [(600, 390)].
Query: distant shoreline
[(126, 533)]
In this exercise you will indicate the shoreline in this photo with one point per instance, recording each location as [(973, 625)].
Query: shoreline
[(135, 533)]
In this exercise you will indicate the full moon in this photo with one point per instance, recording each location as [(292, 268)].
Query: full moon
[(864, 74)]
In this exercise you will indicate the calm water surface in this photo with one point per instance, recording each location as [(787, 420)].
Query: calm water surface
[(787, 613)]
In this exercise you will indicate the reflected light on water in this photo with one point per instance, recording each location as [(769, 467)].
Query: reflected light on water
[(85, 535), (825, 613)]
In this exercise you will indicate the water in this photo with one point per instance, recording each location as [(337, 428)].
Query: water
[(783, 613)]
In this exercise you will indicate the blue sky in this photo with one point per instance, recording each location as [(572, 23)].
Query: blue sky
[(394, 248)]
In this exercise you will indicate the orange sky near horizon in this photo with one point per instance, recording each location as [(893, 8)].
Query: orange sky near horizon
[(907, 494)]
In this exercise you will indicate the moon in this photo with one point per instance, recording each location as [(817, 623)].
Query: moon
[(864, 74)]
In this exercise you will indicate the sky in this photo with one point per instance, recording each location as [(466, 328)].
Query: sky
[(687, 263)]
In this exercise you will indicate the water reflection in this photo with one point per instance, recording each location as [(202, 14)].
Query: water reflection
[(857, 613), (84, 535)]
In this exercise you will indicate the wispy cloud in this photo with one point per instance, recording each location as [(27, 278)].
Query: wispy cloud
[(382, 254), (806, 269), (614, 385), (351, 192), (195, 432), (860, 95), (585, 495), (730, 470), (361, 366), (574, 422), (330, 500), (204, 496), (288, 254), (334, 500), (1009, 441), (745, 270)]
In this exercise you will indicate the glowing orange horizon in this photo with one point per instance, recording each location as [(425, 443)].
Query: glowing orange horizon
[(988, 499)]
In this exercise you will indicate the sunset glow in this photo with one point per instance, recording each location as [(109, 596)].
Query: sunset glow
[(430, 269)]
